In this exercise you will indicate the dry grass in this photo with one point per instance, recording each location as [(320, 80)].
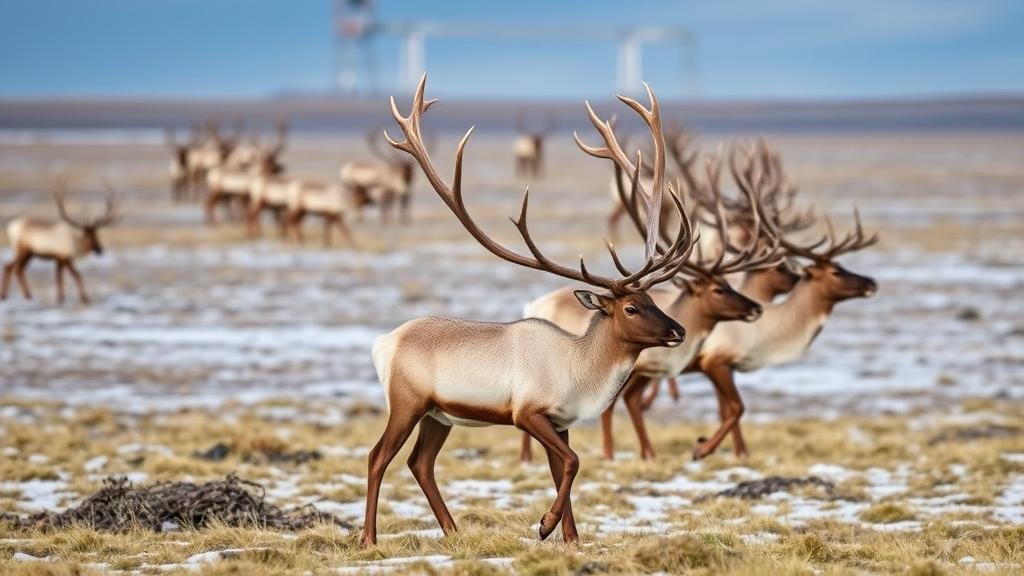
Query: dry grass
[(718, 535)]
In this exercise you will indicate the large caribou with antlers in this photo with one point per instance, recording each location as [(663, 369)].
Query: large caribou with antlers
[(62, 241), (441, 372)]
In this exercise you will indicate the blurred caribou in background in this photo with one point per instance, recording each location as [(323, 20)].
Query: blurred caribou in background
[(62, 241)]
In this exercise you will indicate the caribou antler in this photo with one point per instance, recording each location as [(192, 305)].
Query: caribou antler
[(753, 256), (655, 268), (613, 151), (108, 217)]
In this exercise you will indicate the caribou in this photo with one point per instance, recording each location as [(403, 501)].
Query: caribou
[(382, 183), (528, 148), (331, 202), (62, 241), (441, 372), (178, 171), (786, 329), (249, 188)]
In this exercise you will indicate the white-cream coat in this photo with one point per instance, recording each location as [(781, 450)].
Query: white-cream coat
[(46, 238), (504, 368), (270, 190), (781, 335), (525, 147), (561, 308), (377, 180), (319, 197), (233, 182)]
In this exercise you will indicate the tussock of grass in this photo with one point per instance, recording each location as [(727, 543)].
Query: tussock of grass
[(926, 569), (887, 513), (547, 561), (676, 554)]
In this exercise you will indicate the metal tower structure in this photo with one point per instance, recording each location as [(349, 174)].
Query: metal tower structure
[(357, 27)]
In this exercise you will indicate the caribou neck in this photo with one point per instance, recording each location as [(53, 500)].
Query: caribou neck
[(756, 287), (599, 361), (798, 317), (686, 310)]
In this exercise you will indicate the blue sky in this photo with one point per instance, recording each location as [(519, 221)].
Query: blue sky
[(747, 49)]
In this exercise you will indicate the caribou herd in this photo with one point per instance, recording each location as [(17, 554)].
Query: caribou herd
[(732, 278)]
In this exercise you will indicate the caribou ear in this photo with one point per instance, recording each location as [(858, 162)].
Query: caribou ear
[(682, 283), (593, 301)]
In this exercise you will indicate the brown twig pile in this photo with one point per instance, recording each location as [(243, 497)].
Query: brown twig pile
[(119, 506)]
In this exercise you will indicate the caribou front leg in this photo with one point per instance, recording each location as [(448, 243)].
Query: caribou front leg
[(78, 282), (721, 377), (538, 425), (569, 533)]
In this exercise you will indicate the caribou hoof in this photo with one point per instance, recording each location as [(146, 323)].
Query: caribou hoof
[(700, 451), (547, 524)]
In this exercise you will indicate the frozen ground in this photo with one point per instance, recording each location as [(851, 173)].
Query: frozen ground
[(197, 336)]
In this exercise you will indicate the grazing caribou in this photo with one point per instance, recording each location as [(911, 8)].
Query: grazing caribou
[(62, 241), (439, 372)]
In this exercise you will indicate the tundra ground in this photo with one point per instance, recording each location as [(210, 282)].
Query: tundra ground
[(908, 405)]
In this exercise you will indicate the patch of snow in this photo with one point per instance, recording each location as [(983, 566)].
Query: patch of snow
[(95, 464), (36, 495)]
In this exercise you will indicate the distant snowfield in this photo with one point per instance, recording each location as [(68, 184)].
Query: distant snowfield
[(176, 326)]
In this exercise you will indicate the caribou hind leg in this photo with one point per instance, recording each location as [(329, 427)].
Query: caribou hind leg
[(9, 269), (429, 443), (402, 419), (632, 397), (526, 449), (59, 272), (346, 234), (607, 438)]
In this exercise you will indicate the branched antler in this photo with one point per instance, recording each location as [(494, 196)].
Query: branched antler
[(655, 268)]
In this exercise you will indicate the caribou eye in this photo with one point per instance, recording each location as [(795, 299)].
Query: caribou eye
[(632, 310), (718, 290)]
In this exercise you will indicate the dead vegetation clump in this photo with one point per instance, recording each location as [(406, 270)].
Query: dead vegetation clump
[(119, 507), (974, 433), (755, 489)]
